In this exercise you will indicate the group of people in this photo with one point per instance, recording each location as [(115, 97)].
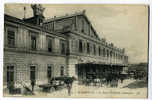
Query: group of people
[(109, 80)]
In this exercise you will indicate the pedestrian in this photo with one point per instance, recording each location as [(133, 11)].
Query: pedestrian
[(69, 82), (32, 84), (69, 86)]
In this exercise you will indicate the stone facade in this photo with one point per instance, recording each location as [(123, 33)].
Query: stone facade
[(73, 41), (23, 61)]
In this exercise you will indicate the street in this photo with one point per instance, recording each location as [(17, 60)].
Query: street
[(82, 91)]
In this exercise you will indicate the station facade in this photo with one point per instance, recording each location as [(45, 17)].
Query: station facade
[(38, 49)]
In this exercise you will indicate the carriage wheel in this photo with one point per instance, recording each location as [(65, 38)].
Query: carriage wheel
[(52, 89)]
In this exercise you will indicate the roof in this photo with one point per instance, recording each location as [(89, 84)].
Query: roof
[(82, 13), (62, 17), (72, 15), (21, 21)]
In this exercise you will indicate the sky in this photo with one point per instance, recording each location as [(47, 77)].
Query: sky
[(126, 26)]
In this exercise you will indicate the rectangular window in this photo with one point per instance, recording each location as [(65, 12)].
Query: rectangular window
[(49, 45), (94, 49), (11, 38), (88, 48), (107, 53), (33, 42), (49, 72), (116, 56), (62, 71), (89, 29), (82, 30), (99, 51), (80, 46), (10, 74), (62, 48), (32, 72), (104, 52)]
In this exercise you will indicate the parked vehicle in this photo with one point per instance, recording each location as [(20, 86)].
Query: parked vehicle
[(57, 83)]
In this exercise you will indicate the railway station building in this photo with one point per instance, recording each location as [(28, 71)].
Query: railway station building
[(38, 48)]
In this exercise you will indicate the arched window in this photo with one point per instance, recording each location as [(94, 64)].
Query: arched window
[(62, 71)]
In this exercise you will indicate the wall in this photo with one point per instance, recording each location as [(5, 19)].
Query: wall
[(22, 62), (23, 38), (74, 50)]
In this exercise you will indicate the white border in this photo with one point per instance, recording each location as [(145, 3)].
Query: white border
[(149, 2), (1, 46), (150, 52), (80, 1)]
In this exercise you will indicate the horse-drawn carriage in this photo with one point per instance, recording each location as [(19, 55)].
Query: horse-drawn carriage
[(56, 83)]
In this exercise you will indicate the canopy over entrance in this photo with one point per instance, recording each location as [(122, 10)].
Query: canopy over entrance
[(97, 70)]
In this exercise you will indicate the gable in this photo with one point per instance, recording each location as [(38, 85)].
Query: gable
[(84, 26), (60, 24), (80, 22)]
